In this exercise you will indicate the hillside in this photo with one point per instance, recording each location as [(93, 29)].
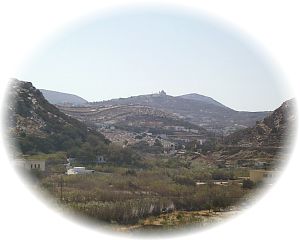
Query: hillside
[(142, 118), (201, 98), (207, 114), (38, 126), (60, 98), (133, 123), (271, 131)]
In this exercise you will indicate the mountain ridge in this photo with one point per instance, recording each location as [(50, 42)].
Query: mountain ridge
[(61, 98), (213, 117), (197, 109), (203, 98)]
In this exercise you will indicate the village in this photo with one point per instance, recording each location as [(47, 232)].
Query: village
[(171, 143)]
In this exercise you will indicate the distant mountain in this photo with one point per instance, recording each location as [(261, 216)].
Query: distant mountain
[(205, 113), (39, 126), (201, 98), (273, 130), (60, 98)]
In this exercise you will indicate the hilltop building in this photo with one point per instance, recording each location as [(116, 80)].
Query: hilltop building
[(162, 92)]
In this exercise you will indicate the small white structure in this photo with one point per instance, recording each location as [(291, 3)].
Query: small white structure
[(167, 144), (31, 164), (71, 160), (181, 152), (193, 130), (261, 164), (180, 128), (79, 170), (100, 159)]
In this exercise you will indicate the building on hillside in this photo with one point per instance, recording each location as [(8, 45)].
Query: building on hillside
[(169, 147), (31, 164), (169, 127), (167, 144), (180, 128), (261, 165), (100, 159), (201, 141), (193, 130), (265, 176)]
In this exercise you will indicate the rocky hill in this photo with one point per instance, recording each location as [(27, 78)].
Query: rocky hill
[(39, 126), (201, 98), (273, 130), (203, 111), (126, 116), (60, 98)]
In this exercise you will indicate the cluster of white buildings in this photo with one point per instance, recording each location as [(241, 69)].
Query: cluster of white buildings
[(181, 129)]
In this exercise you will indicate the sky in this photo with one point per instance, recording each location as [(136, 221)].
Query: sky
[(143, 51)]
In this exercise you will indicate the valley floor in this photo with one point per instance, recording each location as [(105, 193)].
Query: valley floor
[(161, 193)]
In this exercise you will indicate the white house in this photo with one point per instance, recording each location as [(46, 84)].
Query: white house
[(201, 141), (31, 164), (193, 130), (180, 128), (79, 170), (167, 144), (100, 159)]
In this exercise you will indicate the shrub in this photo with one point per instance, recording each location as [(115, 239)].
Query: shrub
[(184, 180), (247, 183)]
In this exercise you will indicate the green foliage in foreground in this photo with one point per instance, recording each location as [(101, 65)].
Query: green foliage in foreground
[(125, 195)]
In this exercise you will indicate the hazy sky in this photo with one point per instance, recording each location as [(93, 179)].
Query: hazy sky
[(144, 51)]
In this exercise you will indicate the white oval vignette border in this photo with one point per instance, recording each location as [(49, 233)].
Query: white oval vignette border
[(25, 24)]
